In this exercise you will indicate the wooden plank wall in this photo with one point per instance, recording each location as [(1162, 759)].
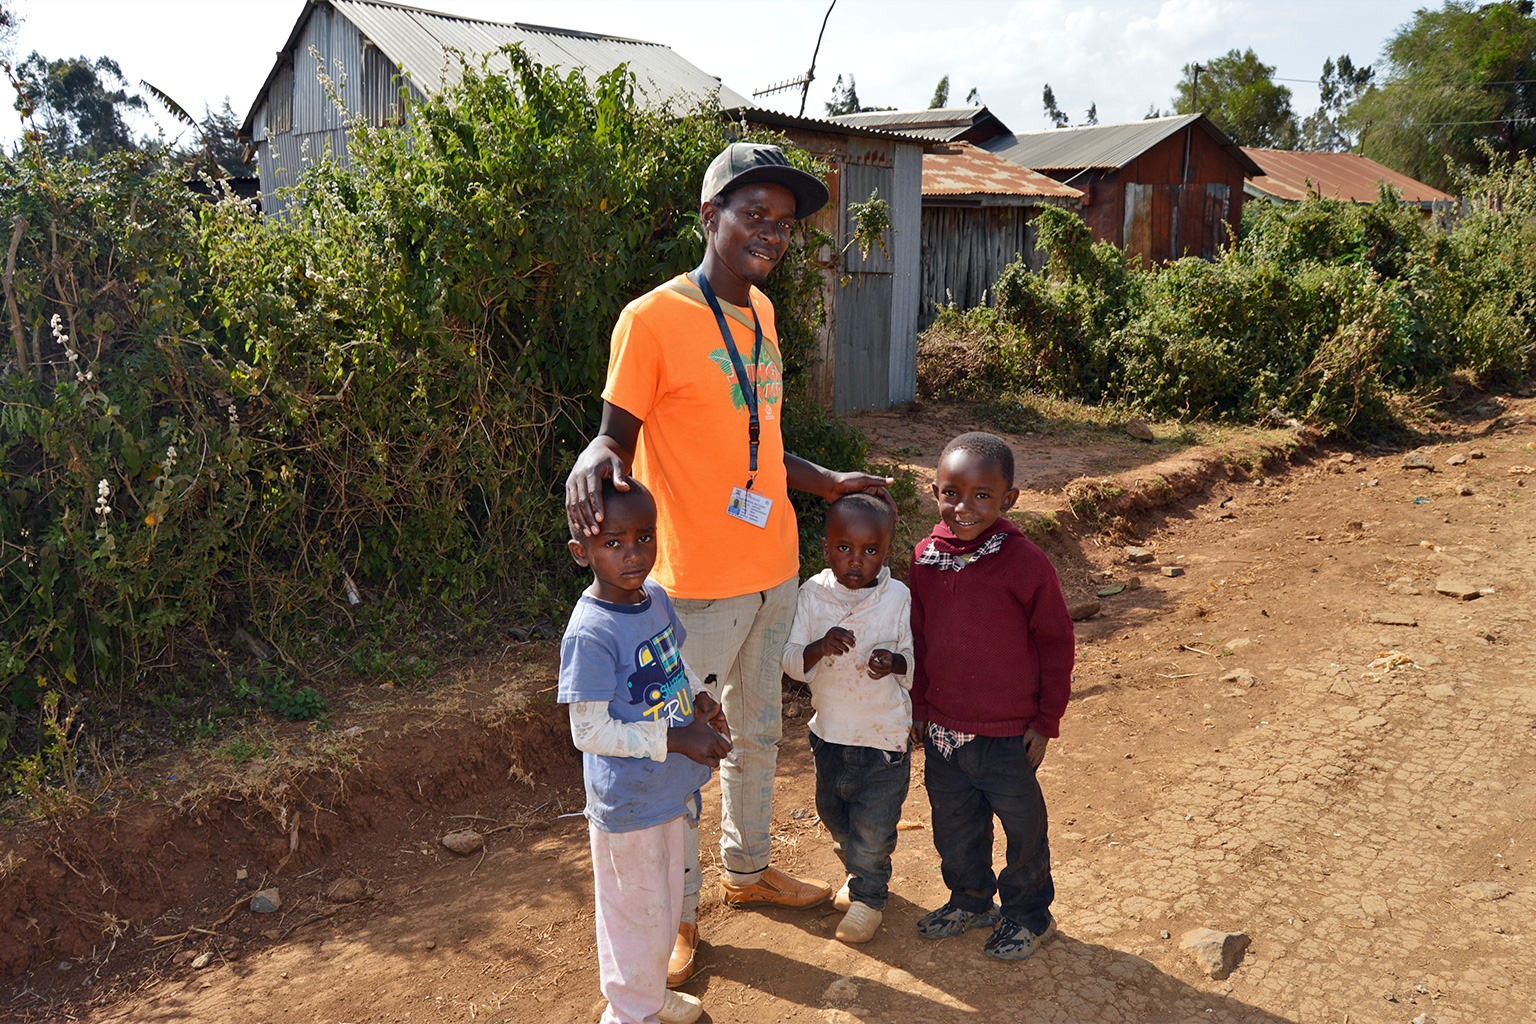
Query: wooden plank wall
[(966, 248)]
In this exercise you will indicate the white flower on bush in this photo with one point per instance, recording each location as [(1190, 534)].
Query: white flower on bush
[(103, 492), (170, 458), (234, 415)]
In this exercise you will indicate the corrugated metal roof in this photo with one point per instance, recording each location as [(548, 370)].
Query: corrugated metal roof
[(1103, 146), (941, 125), (1292, 176), (416, 41), (961, 169), (778, 119)]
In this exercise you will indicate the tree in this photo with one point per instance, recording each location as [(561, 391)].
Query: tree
[(1340, 86), (973, 98), (79, 103), (1454, 80), (940, 94), (1052, 111), (1239, 94), (9, 20), (845, 99), (1092, 115)]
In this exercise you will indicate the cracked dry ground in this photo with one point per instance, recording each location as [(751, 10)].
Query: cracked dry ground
[(1364, 816)]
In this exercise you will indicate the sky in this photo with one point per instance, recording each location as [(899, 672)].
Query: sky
[(1125, 56)]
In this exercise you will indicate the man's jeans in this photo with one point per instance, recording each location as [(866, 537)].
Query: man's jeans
[(985, 776), (740, 641), (859, 793)]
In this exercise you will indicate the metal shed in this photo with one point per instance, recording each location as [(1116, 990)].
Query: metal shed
[(1164, 188), (944, 124), (979, 215), (381, 47), (868, 344)]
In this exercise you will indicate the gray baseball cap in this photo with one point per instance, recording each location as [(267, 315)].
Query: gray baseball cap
[(747, 163)]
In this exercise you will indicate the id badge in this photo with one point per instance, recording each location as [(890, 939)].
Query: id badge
[(749, 507)]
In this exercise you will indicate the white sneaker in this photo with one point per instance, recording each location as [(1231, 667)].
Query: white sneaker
[(842, 899), (679, 1008), (859, 924)]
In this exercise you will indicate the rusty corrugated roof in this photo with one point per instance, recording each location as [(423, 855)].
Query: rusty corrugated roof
[(1292, 176), (961, 169)]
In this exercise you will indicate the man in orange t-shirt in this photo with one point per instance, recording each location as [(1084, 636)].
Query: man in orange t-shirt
[(677, 417)]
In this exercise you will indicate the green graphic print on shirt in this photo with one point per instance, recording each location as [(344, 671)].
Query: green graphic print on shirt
[(770, 372)]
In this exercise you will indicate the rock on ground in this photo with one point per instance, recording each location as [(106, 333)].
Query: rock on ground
[(464, 842), (1218, 953)]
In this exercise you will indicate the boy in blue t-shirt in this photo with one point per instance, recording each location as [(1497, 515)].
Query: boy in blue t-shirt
[(649, 736)]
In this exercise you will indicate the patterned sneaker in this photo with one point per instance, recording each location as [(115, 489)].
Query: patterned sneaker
[(950, 920), (1012, 941)]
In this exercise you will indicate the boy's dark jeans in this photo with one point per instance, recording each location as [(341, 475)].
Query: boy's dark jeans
[(859, 793), (985, 776)]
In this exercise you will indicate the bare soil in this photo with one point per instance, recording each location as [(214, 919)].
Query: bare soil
[(1357, 798)]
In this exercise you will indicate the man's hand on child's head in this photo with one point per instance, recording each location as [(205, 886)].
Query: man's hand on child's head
[(698, 741), (882, 663), (706, 707), (1034, 747)]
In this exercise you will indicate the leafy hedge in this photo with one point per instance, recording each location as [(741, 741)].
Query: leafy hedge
[(326, 427), (1323, 311)]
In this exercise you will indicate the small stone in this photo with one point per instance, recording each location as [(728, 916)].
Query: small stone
[(241, 874), (843, 990), (1347, 458), (1424, 660), (1465, 490), (800, 814), (1475, 453), (1164, 935), (1242, 677), (1218, 953), (1134, 583), (1460, 589), (1422, 1018), (464, 842), (266, 901), (1456, 460), (202, 960), (1084, 610), (1374, 481), (1418, 460), (1137, 555), (1439, 691), (792, 711), (1393, 619), (185, 956), (430, 944), (347, 890), (1138, 429), (352, 732), (1173, 570)]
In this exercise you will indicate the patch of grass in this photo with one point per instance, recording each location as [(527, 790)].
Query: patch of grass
[(243, 749), (1037, 524)]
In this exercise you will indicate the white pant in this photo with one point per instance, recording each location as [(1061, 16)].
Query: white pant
[(638, 879), (740, 641)]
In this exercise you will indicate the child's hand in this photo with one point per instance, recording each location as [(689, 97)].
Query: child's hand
[(1034, 747), (706, 707), (837, 641), (698, 742), (917, 732), (882, 663)]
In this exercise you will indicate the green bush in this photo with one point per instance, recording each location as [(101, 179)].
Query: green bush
[(333, 427), (1322, 312)]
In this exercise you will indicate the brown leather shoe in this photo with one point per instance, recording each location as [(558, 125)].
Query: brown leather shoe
[(680, 966), (777, 889)]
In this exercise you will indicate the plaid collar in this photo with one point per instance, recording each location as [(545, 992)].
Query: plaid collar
[(944, 560)]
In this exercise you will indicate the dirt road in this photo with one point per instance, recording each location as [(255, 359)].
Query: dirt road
[(1297, 738)]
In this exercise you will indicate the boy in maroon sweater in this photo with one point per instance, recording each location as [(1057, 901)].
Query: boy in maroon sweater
[(993, 650)]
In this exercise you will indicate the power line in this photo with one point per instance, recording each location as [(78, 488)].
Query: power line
[(1514, 81)]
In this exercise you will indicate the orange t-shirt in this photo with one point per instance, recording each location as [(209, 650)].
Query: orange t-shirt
[(669, 368)]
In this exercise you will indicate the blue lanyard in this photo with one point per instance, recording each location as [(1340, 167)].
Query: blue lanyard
[(748, 389)]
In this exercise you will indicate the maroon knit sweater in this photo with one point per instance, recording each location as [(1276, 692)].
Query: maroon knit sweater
[(993, 641)]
